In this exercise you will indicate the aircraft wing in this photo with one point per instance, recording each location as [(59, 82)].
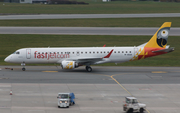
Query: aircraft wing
[(89, 60)]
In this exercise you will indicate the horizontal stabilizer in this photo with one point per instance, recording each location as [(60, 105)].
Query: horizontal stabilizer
[(165, 50)]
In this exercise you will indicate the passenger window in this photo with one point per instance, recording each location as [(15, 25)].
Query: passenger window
[(108, 52), (114, 51), (81, 52), (93, 52), (61, 52), (118, 51), (104, 52), (122, 51), (126, 51), (73, 52), (129, 51), (86, 52), (90, 52), (97, 52)]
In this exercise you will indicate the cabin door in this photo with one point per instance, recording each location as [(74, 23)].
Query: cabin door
[(28, 53)]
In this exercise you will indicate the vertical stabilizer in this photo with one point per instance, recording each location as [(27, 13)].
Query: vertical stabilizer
[(159, 39)]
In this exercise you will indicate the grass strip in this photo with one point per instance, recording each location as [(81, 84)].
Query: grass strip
[(113, 22), (10, 43), (94, 7)]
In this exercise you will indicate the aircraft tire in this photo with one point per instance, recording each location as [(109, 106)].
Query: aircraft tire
[(88, 69), (24, 69)]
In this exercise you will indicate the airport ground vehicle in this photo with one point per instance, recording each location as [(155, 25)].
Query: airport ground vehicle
[(132, 105), (65, 99)]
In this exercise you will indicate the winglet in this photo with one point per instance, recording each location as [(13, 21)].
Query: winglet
[(104, 45), (107, 56)]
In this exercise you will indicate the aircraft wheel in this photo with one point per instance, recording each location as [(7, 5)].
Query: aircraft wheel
[(141, 110), (88, 69), (23, 69)]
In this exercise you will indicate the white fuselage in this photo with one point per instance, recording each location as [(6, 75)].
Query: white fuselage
[(57, 55)]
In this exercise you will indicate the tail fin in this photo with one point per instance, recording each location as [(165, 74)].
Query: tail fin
[(159, 39)]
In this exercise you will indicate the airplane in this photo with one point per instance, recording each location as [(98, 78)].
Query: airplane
[(71, 58)]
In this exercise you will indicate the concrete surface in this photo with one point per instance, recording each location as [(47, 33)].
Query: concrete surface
[(86, 30), (77, 16), (35, 90)]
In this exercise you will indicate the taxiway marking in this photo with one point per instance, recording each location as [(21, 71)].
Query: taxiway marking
[(112, 77), (124, 88)]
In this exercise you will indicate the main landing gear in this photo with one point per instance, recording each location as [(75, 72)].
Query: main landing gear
[(88, 69), (23, 64)]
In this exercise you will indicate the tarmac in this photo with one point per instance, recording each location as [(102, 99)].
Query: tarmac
[(79, 16), (101, 91), (86, 30)]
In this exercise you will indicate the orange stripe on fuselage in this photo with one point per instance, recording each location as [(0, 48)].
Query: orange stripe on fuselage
[(148, 52)]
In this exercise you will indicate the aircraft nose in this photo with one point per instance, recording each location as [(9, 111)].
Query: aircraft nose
[(7, 59)]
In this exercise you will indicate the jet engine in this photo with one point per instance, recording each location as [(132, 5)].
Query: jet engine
[(69, 64)]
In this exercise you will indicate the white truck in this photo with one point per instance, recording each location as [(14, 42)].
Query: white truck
[(65, 99), (131, 105)]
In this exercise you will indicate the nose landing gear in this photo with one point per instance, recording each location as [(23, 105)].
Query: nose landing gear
[(23, 64), (24, 69)]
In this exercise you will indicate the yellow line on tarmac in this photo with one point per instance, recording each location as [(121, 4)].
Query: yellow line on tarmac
[(120, 85), (123, 88)]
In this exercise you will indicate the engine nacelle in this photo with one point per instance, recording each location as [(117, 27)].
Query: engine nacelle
[(69, 64)]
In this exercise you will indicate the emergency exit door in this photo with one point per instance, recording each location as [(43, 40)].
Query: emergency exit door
[(28, 53)]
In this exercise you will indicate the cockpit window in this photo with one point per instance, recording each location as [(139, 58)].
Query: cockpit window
[(17, 52)]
